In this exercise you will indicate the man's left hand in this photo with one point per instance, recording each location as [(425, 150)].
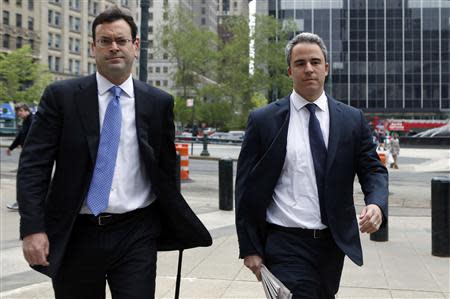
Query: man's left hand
[(370, 219)]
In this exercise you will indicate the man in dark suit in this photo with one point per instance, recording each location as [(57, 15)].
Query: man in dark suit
[(24, 113), (112, 200), (294, 186)]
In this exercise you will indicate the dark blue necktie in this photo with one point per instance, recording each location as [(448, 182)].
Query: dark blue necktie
[(98, 194), (319, 155)]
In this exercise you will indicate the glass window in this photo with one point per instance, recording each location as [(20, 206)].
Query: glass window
[(57, 41), (57, 63), (50, 40), (6, 41), (19, 42), (30, 23), (19, 3), (18, 20), (30, 4), (6, 17)]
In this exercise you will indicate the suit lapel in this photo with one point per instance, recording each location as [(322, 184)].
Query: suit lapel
[(143, 109), (276, 151), (86, 101), (334, 135)]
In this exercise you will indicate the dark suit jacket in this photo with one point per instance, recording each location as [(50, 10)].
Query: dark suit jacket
[(20, 138), (350, 151), (66, 133)]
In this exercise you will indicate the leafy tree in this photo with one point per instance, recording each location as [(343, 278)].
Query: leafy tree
[(192, 48), (22, 78)]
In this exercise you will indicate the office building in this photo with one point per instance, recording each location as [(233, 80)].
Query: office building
[(385, 56)]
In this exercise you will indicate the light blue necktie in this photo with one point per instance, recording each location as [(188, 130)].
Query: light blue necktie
[(98, 194)]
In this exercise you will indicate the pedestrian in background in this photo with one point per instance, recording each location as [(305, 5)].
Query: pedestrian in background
[(394, 147), (294, 184), (112, 201), (24, 113)]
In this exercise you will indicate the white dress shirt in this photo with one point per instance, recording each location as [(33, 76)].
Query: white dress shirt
[(131, 188), (295, 199)]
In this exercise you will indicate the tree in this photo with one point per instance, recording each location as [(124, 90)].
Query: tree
[(22, 78), (193, 49)]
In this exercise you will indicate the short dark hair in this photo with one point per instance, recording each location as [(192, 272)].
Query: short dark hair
[(114, 14), (22, 106)]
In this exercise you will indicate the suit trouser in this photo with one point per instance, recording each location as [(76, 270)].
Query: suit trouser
[(309, 267), (123, 253)]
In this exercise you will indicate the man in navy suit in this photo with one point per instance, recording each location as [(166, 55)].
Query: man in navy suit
[(294, 186), (96, 181)]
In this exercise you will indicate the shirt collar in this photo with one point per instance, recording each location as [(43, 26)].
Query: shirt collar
[(104, 85), (299, 102)]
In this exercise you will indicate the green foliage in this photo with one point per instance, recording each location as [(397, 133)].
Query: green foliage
[(22, 79), (216, 72)]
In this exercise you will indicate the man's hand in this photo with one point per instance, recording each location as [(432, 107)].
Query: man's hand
[(8, 152), (370, 219), (36, 248), (254, 262)]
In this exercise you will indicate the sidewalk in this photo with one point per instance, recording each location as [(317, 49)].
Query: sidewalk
[(403, 267)]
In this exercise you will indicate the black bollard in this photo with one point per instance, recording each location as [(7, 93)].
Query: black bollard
[(205, 146), (440, 216), (382, 235), (177, 172), (226, 184)]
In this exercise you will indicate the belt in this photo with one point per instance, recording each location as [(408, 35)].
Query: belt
[(108, 218), (304, 232)]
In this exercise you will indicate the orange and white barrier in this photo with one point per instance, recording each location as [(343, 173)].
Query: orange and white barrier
[(183, 151)]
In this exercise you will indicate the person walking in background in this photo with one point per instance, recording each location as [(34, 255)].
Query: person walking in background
[(394, 147), (294, 183), (24, 113), (112, 201)]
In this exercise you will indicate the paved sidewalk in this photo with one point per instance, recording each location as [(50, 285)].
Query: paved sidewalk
[(403, 267)]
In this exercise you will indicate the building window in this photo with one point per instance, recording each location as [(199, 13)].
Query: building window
[(165, 83), (157, 82), (157, 69), (6, 17), (30, 4), (124, 3), (77, 67), (203, 21), (50, 62), (74, 4), (30, 23), (74, 23), (19, 42), (57, 63), (31, 42), (54, 18), (165, 16), (165, 69), (57, 41), (74, 45), (91, 68), (90, 28), (70, 65), (150, 16), (150, 29), (150, 43), (19, 3), (6, 41), (150, 56), (18, 20), (203, 10), (50, 40), (165, 56), (150, 69)]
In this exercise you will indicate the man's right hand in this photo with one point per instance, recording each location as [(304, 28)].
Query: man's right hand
[(254, 262), (36, 248)]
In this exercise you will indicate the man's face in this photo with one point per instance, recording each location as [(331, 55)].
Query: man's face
[(22, 113), (114, 61), (308, 70)]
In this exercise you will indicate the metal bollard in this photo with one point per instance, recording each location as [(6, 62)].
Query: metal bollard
[(177, 171), (205, 146), (226, 184), (440, 216)]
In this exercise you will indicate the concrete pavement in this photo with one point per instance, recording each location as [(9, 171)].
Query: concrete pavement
[(403, 267)]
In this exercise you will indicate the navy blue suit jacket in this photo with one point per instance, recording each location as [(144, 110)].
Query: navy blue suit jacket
[(350, 152)]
